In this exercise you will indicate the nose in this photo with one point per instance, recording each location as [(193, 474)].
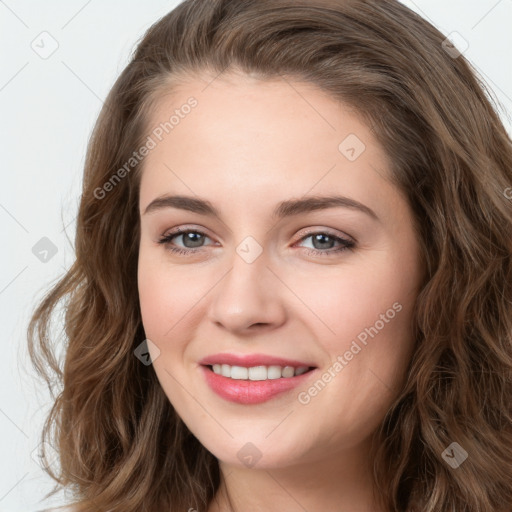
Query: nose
[(248, 298)]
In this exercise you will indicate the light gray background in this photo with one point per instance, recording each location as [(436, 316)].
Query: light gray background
[(48, 107)]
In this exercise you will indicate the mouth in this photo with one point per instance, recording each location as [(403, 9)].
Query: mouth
[(256, 384)]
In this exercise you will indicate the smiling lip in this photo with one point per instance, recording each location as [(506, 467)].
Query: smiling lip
[(250, 360), (249, 392)]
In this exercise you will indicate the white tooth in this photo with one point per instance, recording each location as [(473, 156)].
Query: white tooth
[(288, 371), (239, 372), (274, 372), (226, 370), (258, 373)]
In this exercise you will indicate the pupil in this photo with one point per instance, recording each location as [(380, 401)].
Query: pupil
[(318, 238), (194, 238)]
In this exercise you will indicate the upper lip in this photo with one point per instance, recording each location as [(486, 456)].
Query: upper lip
[(250, 360)]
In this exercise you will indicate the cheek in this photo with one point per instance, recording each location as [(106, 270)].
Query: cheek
[(169, 296), (374, 323), (152, 297), (347, 301), (365, 312)]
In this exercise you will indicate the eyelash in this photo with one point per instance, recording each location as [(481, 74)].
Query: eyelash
[(346, 244)]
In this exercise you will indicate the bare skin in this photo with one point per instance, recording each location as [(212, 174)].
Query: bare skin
[(247, 146)]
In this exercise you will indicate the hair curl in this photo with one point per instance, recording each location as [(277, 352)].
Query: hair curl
[(122, 446)]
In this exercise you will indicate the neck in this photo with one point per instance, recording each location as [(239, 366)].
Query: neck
[(342, 483)]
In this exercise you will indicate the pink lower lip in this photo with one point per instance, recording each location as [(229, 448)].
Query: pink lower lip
[(250, 391)]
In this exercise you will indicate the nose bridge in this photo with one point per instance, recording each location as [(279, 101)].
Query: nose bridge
[(249, 272), (245, 295)]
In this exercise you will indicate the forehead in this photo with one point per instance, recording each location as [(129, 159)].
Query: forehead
[(239, 117), (248, 139)]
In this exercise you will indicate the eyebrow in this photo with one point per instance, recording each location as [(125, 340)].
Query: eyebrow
[(287, 208)]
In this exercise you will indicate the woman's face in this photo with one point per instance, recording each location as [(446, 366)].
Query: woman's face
[(271, 273)]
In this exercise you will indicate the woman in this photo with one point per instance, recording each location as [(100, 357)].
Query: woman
[(220, 356)]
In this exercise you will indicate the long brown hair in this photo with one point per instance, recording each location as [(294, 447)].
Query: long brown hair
[(122, 446)]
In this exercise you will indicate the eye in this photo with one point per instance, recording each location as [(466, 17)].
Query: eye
[(193, 240), (188, 236), (324, 240)]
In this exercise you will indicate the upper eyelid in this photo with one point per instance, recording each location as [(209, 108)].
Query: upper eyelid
[(182, 230), (327, 231)]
